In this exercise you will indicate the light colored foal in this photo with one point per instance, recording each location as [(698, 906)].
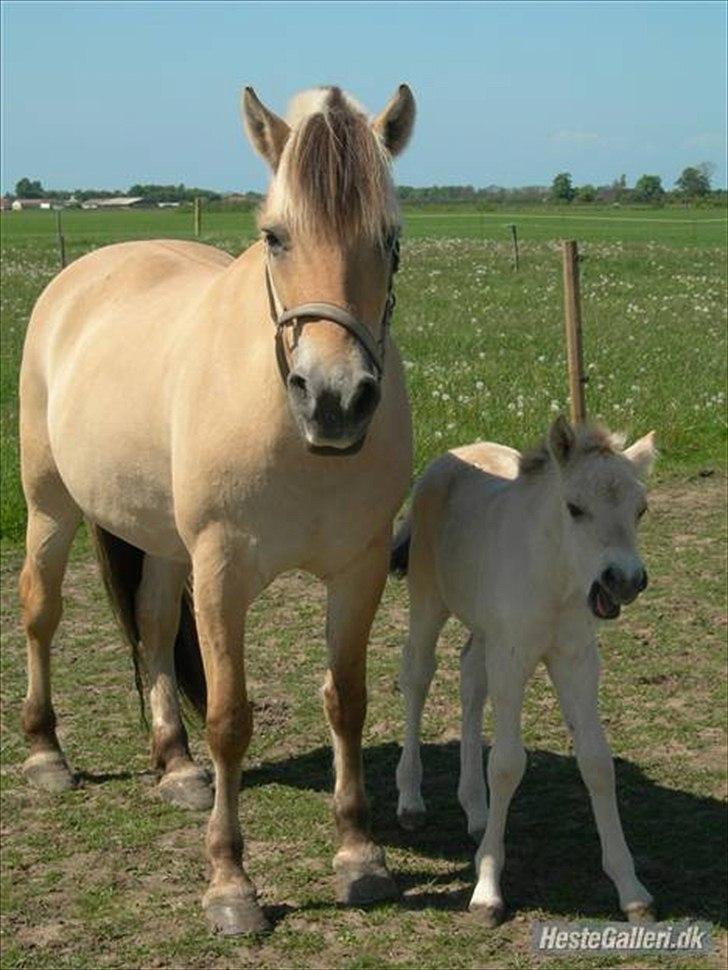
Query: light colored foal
[(527, 552)]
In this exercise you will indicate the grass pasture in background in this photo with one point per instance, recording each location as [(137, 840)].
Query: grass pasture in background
[(108, 876), (483, 345)]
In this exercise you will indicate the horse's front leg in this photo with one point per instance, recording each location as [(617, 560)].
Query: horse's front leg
[(224, 586), (353, 597), (575, 675)]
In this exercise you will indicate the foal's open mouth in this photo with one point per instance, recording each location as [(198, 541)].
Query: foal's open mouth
[(601, 603)]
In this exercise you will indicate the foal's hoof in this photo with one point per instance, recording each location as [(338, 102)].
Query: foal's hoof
[(234, 913), (49, 771), (640, 913), (489, 915), (411, 821), (187, 788), (363, 879)]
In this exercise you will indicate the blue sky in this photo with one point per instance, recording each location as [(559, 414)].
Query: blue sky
[(107, 94)]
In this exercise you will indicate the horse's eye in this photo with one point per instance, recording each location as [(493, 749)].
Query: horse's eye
[(575, 511), (272, 241)]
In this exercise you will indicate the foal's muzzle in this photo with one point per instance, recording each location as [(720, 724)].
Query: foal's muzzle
[(615, 588)]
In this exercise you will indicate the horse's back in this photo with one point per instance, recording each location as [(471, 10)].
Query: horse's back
[(99, 370), (481, 467)]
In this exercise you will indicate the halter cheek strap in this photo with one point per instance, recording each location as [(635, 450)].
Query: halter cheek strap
[(375, 347)]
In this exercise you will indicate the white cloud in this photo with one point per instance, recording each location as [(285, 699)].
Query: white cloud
[(706, 139), (575, 137)]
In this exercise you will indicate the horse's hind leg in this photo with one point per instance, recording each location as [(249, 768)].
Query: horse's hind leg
[(157, 613), (51, 528), (427, 615), (473, 690)]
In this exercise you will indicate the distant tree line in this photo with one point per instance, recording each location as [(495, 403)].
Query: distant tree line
[(33, 189), (693, 185)]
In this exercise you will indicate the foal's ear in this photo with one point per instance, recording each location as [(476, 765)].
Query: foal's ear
[(267, 132), (561, 439), (642, 454), (394, 125)]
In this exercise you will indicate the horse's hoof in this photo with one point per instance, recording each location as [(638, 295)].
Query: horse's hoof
[(234, 913), (640, 913), (187, 788), (363, 881), (49, 771), (489, 915), (411, 821)]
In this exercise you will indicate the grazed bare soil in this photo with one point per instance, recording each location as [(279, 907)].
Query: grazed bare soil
[(110, 876)]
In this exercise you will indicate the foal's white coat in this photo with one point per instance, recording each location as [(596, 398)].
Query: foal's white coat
[(494, 540)]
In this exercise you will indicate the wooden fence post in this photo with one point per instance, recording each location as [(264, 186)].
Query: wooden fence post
[(198, 215), (61, 240), (514, 233), (572, 320)]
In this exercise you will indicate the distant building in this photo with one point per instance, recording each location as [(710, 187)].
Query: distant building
[(115, 202), (19, 204), (168, 205)]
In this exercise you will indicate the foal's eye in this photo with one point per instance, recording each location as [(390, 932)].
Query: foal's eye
[(575, 511)]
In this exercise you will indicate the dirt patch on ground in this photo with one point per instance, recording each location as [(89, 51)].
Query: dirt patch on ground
[(111, 876)]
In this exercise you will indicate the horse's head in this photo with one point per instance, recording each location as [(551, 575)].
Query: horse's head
[(330, 225), (604, 499)]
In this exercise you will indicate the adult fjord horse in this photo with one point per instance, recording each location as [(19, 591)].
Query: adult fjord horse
[(229, 419)]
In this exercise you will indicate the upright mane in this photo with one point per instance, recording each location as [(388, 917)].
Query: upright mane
[(590, 439), (333, 180)]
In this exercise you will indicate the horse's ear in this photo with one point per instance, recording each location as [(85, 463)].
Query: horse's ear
[(394, 125), (561, 440), (267, 132), (643, 454)]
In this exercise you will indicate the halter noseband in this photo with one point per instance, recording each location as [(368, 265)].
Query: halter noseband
[(375, 347)]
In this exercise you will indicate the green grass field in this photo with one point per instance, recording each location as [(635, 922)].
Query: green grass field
[(109, 876)]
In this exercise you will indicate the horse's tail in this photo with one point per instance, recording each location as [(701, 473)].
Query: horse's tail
[(121, 570), (399, 556)]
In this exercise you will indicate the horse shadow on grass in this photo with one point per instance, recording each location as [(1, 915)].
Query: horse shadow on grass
[(553, 856)]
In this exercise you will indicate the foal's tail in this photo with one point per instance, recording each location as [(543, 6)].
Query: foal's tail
[(399, 556), (121, 570)]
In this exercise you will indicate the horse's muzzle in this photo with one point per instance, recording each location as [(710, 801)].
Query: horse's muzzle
[(614, 589), (333, 416)]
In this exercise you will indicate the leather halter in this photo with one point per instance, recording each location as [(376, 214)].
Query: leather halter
[(375, 347)]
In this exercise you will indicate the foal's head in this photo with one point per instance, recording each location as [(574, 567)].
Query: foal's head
[(329, 224), (603, 498)]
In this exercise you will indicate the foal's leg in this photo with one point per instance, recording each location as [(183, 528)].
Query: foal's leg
[(50, 532), (223, 589), (427, 616), (353, 597), (473, 691), (157, 613), (506, 764), (575, 676)]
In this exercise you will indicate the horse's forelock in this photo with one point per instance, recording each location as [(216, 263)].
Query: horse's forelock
[(334, 178)]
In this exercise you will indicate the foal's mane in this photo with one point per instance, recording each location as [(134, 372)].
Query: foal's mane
[(334, 178), (590, 439)]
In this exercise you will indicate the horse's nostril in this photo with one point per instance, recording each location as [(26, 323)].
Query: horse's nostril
[(609, 578), (365, 399), (297, 382), (643, 582)]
